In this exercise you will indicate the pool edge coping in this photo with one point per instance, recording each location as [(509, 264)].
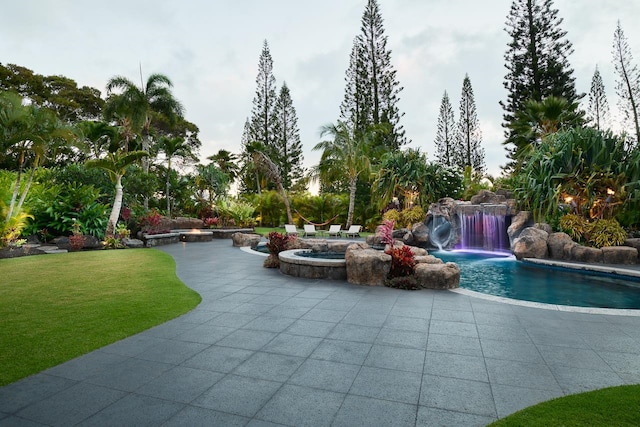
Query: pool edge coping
[(531, 304)]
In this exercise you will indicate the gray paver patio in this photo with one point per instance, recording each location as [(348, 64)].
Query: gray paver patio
[(267, 349)]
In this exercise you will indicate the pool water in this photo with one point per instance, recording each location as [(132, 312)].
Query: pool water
[(322, 255), (504, 276)]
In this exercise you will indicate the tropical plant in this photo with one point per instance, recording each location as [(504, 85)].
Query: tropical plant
[(212, 181), (345, 155), (264, 163), (538, 120), (402, 261), (226, 162), (386, 230), (412, 215), (581, 164), (115, 164), (605, 232), (173, 147), (400, 173), (139, 104), (574, 225), (29, 134), (236, 212), (277, 242)]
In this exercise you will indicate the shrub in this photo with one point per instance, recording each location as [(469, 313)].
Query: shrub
[(212, 222), (605, 232), (574, 225), (412, 215), (392, 215), (402, 261)]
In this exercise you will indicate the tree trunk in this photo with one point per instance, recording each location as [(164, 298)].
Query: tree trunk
[(286, 202), (16, 188), (117, 205), (168, 185), (352, 200), (146, 145), (26, 190)]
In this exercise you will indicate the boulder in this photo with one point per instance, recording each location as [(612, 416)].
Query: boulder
[(544, 226), (420, 234), (427, 259), (445, 207), (619, 255), (532, 243), (438, 276), (366, 266), (338, 246), (560, 246), (133, 243), (184, 223), (489, 197), (244, 239), (519, 222), (586, 254), (92, 242), (634, 243)]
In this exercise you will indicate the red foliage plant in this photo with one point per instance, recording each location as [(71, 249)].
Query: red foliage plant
[(277, 242), (212, 221), (386, 229), (402, 262)]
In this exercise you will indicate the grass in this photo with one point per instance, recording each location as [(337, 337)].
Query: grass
[(57, 307), (614, 406)]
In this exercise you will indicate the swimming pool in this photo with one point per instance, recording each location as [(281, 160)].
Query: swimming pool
[(504, 276)]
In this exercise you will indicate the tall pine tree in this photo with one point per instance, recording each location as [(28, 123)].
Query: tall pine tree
[(598, 110), (628, 82), (263, 116), (536, 60), (469, 151), (287, 143), (371, 94), (446, 135)]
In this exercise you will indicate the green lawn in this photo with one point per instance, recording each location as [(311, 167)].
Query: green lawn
[(614, 406), (56, 307)]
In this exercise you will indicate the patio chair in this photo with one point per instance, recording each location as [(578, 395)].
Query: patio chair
[(290, 229), (309, 230), (353, 231), (335, 230)]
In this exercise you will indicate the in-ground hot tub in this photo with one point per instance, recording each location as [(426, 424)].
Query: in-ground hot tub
[(313, 265)]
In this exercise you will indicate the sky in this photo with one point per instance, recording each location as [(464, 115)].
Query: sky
[(210, 50)]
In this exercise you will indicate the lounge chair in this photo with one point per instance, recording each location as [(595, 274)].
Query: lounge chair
[(309, 230), (290, 229), (335, 230), (353, 231)]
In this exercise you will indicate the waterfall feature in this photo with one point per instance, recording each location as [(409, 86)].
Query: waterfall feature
[(484, 230), (453, 224)]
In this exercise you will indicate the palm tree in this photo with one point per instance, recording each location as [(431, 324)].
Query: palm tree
[(345, 155), (541, 119), (174, 147), (116, 166), (400, 172), (226, 162), (272, 171), (213, 180), (31, 133), (139, 104)]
